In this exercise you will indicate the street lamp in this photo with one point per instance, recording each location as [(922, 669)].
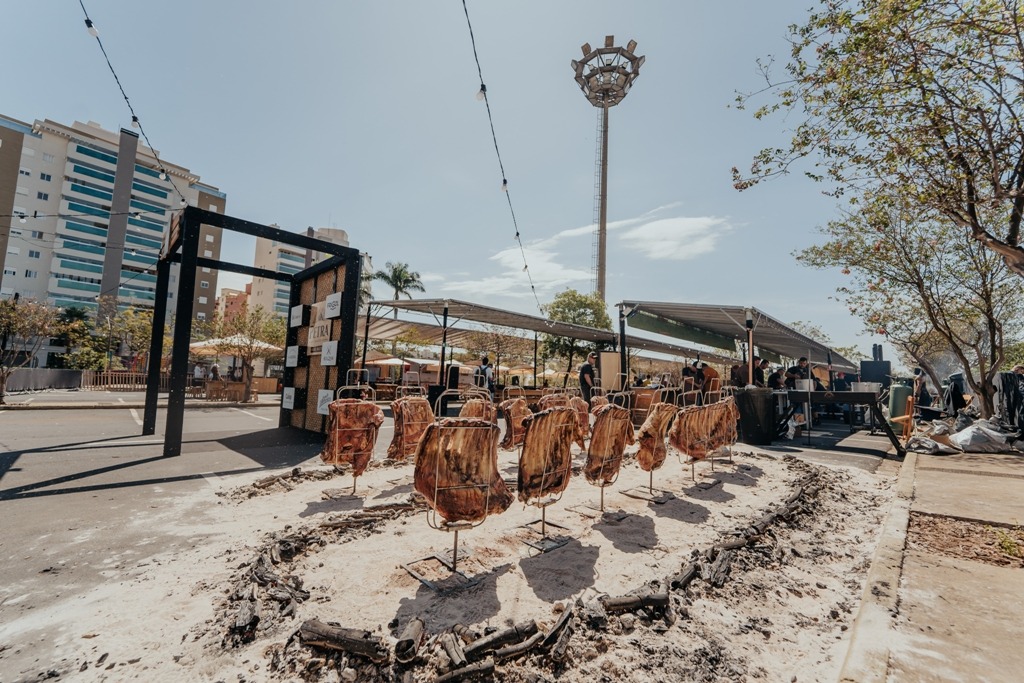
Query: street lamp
[(605, 76)]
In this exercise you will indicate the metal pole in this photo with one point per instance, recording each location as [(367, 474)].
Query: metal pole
[(602, 231), (750, 346), (534, 360)]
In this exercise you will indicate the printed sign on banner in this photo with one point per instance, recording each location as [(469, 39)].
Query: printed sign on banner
[(329, 353), (295, 320), (319, 328), (323, 401), (291, 357), (288, 398), (333, 302)]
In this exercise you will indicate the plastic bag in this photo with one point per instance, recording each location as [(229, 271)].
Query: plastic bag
[(979, 438)]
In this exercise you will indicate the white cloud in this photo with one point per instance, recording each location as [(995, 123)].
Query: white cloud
[(676, 239)]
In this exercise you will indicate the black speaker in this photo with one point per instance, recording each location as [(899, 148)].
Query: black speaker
[(875, 371)]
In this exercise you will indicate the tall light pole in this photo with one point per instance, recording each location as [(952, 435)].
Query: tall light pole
[(605, 76)]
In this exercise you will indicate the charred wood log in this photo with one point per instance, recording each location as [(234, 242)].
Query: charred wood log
[(681, 580), (718, 571), (511, 651), (453, 648), (481, 667), (496, 640), (362, 643), (409, 642), (656, 601)]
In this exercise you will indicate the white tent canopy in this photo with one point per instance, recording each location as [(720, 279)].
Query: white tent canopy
[(225, 346)]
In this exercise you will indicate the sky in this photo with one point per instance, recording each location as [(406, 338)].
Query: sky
[(363, 116)]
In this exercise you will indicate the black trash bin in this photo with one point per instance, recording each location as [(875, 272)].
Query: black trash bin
[(757, 420), (433, 393)]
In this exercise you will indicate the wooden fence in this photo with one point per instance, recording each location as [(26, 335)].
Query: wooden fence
[(123, 380)]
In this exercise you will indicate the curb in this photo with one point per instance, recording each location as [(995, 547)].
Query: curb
[(122, 406), (868, 656)]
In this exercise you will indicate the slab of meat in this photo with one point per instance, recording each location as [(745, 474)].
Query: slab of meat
[(651, 436), (596, 402), (545, 463), (553, 401), (613, 430), (412, 415), (515, 410), (582, 421), (457, 470), (352, 433), (479, 408), (699, 430)]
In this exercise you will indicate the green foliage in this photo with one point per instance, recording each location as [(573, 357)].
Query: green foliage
[(926, 284), (571, 306), (85, 359), (399, 278), (1013, 355), (921, 98), (25, 327)]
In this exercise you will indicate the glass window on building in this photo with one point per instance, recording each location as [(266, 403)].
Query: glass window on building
[(31, 273), (203, 284), (45, 176), (42, 195), (202, 300), (48, 158), (32, 253)]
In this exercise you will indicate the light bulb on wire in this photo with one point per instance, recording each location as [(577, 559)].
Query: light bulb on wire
[(504, 185), (163, 175), (481, 93), (92, 29), (135, 121), (22, 219)]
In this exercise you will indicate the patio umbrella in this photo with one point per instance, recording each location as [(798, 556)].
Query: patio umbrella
[(224, 345), (388, 362)]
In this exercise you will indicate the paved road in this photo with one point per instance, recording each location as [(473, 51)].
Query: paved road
[(81, 492)]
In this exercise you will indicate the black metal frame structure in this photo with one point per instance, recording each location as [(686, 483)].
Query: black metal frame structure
[(182, 246)]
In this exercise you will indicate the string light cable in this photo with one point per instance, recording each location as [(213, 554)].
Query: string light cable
[(482, 95), (136, 122)]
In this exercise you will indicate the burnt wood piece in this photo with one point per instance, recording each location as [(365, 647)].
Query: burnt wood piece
[(681, 580), (409, 642), (452, 645), (561, 648), (551, 636), (500, 638), (511, 651), (718, 571), (658, 601), (481, 667), (355, 641)]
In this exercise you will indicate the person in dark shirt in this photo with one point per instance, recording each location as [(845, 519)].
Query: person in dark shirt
[(777, 380), (798, 371), (759, 367), (840, 383), (587, 377)]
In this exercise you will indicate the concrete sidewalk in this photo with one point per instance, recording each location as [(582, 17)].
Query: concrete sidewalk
[(930, 617), (66, 399)]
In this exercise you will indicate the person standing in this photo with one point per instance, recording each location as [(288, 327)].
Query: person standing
[(798, 371), (486, 374), (922, 396), (215, 373), (587, 377)]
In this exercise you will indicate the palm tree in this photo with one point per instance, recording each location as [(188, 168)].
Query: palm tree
[(398, 277)]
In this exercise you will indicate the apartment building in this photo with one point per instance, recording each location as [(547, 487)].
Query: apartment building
[(89, 212), (272, 255), (231, 302)]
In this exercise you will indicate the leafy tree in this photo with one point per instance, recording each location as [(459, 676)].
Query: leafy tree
[(253, 333), (1014, 355), (399, 278), (25, 327), (133, 328), (502, 343), (915, 276), (924, 97), (85, 358), (570, 306)]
